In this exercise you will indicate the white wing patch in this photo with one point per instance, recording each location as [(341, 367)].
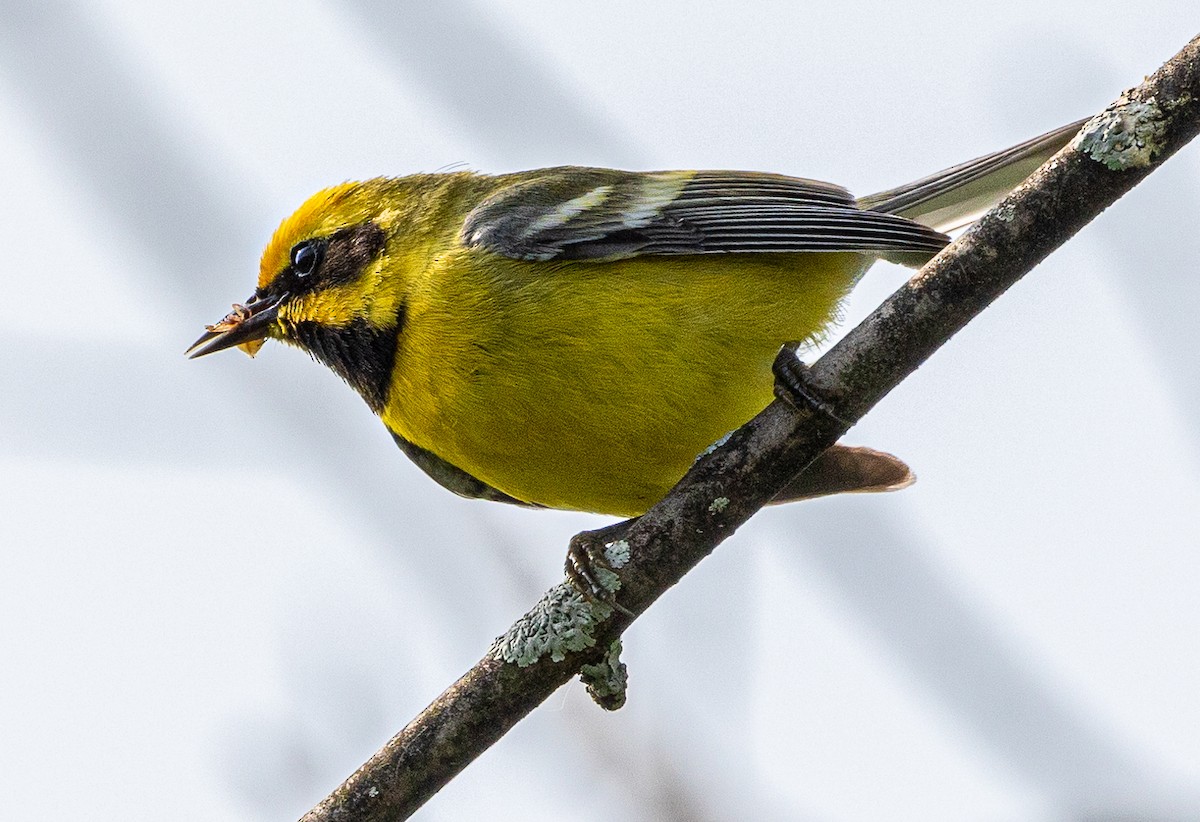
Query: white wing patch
[(658, 190), (567, 211)]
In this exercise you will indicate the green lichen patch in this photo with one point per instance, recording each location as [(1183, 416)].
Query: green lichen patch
[(617, 553), (718, 505), (561, 623), (608, 679), (1124, 137)]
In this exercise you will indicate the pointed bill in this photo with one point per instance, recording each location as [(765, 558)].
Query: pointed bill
[(244, 327)]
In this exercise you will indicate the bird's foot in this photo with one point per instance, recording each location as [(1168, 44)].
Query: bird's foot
[(593, 562), (793, 385)]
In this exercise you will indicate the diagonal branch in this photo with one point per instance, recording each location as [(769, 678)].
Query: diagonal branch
[(562, 634)]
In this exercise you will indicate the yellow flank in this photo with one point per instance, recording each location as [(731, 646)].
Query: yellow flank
[(599, 404)]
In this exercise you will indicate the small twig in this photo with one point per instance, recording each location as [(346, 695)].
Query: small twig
[(1114, 151)]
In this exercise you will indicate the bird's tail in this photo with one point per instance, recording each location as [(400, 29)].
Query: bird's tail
[(846, 469), (960, 195)]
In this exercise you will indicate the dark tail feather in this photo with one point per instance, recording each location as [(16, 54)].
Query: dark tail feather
[(958, 196), (843, 469)]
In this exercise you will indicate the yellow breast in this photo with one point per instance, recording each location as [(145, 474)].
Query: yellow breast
[(593, 386)]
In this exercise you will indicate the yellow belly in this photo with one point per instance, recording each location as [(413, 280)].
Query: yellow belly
[(593, 386)]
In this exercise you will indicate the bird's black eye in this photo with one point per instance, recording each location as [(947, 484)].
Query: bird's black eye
[(306, 256)]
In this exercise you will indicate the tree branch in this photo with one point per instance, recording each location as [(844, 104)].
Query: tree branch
[(1112, 153)]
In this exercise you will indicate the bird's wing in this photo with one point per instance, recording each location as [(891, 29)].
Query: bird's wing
[(573, 213)]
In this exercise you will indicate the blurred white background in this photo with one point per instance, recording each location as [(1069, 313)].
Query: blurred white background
[(222, 587)]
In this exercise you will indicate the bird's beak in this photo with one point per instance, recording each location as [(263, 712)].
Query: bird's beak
[(245, 326)]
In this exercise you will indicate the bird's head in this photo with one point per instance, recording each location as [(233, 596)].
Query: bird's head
[(323, 286)]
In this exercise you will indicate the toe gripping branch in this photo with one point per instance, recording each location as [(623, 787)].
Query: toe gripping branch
[(590, 569), (793, 385)]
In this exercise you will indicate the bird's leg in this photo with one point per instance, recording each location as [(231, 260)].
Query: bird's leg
[(592, 565), (793, 384)]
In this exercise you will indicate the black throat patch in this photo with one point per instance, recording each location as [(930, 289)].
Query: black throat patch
[(361, 355)]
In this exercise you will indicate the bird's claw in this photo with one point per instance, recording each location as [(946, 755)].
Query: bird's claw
[(590, 571), (793, 385)]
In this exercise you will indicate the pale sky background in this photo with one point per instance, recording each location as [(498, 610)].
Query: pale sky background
[(222, 587)]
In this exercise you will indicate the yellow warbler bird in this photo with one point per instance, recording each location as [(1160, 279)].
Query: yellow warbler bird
[(574, 337)]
